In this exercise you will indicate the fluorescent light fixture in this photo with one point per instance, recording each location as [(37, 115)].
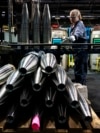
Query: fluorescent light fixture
[(3, 12)]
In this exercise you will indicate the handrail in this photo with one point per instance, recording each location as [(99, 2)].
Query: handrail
[(91, 48), (62, 48)]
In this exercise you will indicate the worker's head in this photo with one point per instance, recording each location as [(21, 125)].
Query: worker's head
[(75, 15)]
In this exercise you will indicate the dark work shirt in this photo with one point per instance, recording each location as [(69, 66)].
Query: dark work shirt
[(79, 32)]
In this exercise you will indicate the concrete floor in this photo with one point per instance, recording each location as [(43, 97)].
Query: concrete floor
[(93, 85)]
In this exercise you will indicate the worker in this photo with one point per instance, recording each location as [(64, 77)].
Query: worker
[(78, 35)]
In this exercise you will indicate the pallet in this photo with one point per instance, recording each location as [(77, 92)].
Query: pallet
[(74, 127)]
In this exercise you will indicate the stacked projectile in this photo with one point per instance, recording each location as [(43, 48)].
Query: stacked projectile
[(35, 23), (24, 33), (41, 28), (46, 24), (40, 88)]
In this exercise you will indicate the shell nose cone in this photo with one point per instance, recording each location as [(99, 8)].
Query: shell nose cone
[(48, 69), (23, 71), (48, 63)]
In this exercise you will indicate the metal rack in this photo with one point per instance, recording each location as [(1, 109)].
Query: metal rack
[(16, 51)]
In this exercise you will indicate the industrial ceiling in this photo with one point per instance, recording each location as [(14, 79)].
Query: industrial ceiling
[(59, 9)]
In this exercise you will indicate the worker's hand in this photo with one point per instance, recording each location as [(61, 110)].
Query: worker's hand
[(72, 38), (66, 40)]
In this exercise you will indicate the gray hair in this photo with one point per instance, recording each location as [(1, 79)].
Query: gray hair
[(77, 13)]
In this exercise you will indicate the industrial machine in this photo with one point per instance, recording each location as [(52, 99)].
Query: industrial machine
[(58, 35), (95, 58)]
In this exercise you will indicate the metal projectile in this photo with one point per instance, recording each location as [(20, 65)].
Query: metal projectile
[(3, 94), (28, 63), (48, 63), (85, 107), (36, 24), (25, 97), (24, 33), (72, 92), (38, 80), (50, 97), (12, 114), (16, 114), (32, 11), (62, 113), (5, 71), (46, 21), (60, 78), (14, 81)]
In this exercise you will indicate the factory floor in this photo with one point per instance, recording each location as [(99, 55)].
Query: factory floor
[(93, 85)]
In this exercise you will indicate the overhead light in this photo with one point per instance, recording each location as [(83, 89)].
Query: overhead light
[(53, 16), (3, 12), (62, 16), (58, 17), (92, 16), (3, 15)]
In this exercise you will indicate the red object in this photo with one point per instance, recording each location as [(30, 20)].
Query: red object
[(55, 26)]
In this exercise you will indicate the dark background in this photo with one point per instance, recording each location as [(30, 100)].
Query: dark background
[(90, 10)]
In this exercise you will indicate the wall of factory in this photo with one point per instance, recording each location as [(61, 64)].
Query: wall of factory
[(41, 28)]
